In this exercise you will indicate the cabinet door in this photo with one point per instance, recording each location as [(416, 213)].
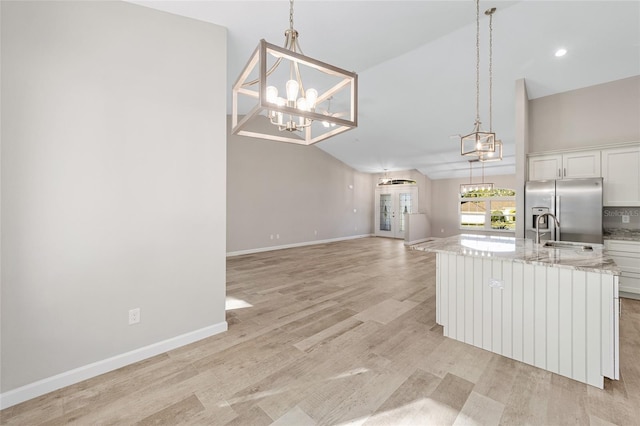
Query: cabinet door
[(621, 176), (583, 164), (544, 167)]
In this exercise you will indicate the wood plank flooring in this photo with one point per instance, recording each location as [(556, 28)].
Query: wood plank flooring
[(340, 333)]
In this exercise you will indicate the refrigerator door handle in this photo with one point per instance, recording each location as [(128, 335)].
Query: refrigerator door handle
[(558, 210)]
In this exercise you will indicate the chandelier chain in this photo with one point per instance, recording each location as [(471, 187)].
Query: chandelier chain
[(477, 61), (291, 14), (490, 72)]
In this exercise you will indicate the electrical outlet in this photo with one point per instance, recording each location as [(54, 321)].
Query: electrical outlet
[(134, 316), (625, 218), (277, 236)]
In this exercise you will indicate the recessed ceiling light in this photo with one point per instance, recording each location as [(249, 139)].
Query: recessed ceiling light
[(561, 52)]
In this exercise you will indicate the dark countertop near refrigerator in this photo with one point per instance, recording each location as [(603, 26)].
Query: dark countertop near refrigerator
[(621, 234)]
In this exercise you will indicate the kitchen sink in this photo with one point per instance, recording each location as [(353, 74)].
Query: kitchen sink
[(568, 244)]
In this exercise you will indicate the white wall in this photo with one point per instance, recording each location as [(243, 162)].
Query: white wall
[(113, 184), (297, 194), (522, 149), (592, 116), (444, 218)]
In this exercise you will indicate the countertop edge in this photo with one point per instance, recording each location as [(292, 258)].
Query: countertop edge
[(522, 253)]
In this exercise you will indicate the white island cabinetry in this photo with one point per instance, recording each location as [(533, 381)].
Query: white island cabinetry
[(556, 309), (626, 254)]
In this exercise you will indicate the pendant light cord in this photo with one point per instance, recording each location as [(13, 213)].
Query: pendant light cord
[(490, 13), (478, 61)]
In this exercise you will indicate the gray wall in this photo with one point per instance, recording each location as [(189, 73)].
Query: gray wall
[(444, 218), (297, 194), (593, 116), (113, 182)]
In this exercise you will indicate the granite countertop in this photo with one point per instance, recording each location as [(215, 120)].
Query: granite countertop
[(621, 234), (523, 251)]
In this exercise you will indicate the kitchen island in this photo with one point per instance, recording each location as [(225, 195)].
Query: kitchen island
[(554, 308)]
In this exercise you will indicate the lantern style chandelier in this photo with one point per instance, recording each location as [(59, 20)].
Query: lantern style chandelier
[(470, 187), (278, 105), (481, 143)]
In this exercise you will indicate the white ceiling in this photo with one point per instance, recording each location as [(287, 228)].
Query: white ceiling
[(416, 65)]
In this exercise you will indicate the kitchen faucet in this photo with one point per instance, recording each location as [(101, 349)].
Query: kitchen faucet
[(557, 225)]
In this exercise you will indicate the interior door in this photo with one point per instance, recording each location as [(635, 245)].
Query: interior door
[(391, 206), (385, 214)]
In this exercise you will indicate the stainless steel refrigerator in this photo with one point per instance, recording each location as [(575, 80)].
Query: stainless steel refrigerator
[(577, 203)]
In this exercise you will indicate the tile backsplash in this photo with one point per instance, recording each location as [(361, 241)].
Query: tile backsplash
[(621, 217)]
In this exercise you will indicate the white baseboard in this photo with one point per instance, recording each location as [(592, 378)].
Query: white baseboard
[(286, 246), (41, 387)]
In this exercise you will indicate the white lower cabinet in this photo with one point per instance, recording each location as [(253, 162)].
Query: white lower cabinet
[(626, 254)]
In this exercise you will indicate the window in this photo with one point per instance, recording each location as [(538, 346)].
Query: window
[(488, 210)]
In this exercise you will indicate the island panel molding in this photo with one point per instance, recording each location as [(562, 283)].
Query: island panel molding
[(556, 317)]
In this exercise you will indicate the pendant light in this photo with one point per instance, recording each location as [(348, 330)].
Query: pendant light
[(466, 188), (287, 110), (478, 142), (495, 155)]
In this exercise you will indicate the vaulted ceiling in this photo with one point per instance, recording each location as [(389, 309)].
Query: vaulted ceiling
[(416, 65)]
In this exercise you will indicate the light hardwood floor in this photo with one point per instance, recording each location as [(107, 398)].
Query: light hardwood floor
[(340, 333)]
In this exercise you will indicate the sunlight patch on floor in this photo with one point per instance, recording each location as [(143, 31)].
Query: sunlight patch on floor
[(232, 303), (422, 411), (257, 394)]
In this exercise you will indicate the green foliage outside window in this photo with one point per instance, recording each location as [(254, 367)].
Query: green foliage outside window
[(498, 205), (485, 193)]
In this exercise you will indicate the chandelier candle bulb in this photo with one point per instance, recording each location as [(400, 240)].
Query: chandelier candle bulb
[(292, 91), (312, 97)]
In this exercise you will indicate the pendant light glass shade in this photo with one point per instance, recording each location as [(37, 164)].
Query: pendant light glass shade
[(492, 156), (271, 100)]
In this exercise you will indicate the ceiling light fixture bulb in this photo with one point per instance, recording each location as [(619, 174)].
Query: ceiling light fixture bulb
[(292, 90), (272, 94), (560, 52)]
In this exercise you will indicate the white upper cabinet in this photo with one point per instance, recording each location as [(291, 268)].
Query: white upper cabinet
[(544, 167), (585, 164), (621, 176), (581, 164)]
